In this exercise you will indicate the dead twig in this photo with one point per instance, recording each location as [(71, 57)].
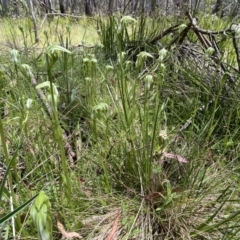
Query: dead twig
[(203, 31), (234, 40), (206, 43), (164, 33), (180, 38)]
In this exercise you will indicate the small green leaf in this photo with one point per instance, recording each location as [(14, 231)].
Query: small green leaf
[(208, 53), (141, 58), (148, 81), (16, 211), (53, 48), (40, 213), (29, 103), (162, 54), (126, 19), (26, 70), (181, 27), (44, 84), (14, 54)]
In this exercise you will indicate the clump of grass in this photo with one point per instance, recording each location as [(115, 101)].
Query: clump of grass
[(149, 145)]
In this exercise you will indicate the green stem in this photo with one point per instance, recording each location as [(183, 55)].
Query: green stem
[(7, 161), (59, 138)]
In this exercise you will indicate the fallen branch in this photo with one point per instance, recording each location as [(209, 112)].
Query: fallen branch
[(164, 33), (206, 43), (180, 38), (235, 45), (203, 31)]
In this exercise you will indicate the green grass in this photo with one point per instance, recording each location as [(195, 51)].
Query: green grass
[(127, 133)]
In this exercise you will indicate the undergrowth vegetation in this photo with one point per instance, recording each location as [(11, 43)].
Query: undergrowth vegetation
[(132, 133)]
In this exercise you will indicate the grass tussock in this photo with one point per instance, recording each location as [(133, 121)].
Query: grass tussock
[(118, 127)]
